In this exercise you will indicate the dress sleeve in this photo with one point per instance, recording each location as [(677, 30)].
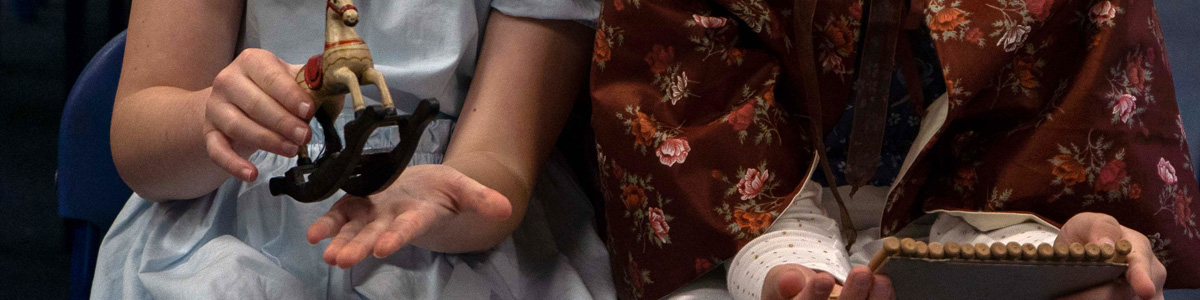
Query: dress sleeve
[(804, 234), (582, 11)]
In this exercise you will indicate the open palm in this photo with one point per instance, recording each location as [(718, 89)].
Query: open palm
[(419, 202)]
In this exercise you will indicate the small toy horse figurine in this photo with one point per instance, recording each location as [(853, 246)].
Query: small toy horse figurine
[(344, 65)]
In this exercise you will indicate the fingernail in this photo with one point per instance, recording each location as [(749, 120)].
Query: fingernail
[(299, 134), (289, 148), (246, 174), (1106, 241), (304, 107)]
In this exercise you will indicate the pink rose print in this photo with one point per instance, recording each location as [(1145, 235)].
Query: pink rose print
[(1124, 107), (742, 117), (1102, 12), (856, 10), (673, 151), (619, 5), (659, 224), (1166, 171), (1014, 38), (752, 183), (1040, 9), (709, 22), (1111, 176), (678, 87)]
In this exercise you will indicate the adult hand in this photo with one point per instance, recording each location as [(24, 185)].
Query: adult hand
[(792, 281), (1146, 274), (422, 199), (255, 103)]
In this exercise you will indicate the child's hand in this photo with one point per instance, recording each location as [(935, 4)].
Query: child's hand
[(792, 281), (1146, 274), (255, 103), (422, 199)]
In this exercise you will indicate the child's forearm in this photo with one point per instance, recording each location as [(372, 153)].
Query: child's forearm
[(158, 145), (528, 76)]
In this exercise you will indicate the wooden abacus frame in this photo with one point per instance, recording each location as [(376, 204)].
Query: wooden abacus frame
[(920, 270), (999, 252)]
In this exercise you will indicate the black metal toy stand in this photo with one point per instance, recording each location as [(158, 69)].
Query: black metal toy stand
[(358, 172)]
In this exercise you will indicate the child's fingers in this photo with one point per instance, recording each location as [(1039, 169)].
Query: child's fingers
[(326, 225), (406, 227), (1146, 274), (785, 281), (881, 288), (818, 287), (239, 128), (857, 285), (1090, 228), (344, 236), (364, 242), (277, 79), (219, 150), (265, 110)]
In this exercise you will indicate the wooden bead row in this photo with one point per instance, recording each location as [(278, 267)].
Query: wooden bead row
[(1012, 251)]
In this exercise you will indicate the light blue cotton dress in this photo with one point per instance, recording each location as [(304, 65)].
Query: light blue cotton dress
[(239, 242)]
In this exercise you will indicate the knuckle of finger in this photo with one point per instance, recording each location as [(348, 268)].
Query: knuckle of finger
[(252, 53), (224, 79)]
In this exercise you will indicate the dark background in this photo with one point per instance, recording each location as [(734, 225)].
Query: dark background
[(40, 55)]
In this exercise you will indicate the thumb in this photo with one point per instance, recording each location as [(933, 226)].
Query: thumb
[(784, 282), (1090, 228), (472, 197)]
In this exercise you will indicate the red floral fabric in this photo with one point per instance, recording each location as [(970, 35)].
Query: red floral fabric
[(1056, 107)]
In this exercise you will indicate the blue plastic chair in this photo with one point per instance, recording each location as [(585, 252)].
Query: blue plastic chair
[(90, 192)]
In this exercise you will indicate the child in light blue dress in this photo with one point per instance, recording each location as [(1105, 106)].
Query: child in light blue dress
[(240, 242)]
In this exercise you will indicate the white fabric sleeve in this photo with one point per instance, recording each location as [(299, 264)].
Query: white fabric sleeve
[(950, 228), (803, 234), (583, 11)]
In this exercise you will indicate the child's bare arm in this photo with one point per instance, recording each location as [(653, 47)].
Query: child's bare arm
[(529, 73), (180, 120)]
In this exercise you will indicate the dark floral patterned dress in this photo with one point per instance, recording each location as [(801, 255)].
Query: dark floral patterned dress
[(706, 125)]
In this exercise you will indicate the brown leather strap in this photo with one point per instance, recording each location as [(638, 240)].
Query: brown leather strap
[(872, 90), (807, 72)]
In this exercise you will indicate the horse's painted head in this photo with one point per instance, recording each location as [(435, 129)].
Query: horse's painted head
[(345, 9)]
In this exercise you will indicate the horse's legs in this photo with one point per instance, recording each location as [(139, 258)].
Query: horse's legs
[(302, 156), (328, 112), (328, 109), (347, 77), (373, 76)]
